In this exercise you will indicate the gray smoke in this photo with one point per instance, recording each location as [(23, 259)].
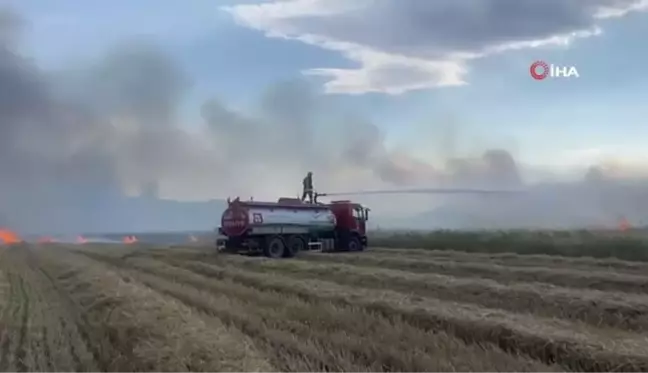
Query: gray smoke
[(294, 130), (72, 143)]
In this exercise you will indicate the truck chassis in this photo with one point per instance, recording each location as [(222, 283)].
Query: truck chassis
[(288, 241)]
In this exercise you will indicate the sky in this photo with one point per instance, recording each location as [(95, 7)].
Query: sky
[(207, 98), (393, 61)]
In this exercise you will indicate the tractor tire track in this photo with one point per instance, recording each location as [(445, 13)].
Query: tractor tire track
[(597, 280), (74, 330), (552, 345), (273, 320), (46, 349), (5, 344), (283, 345), (78, 327), (23, 315), (149, 329), (5, 294), (15, 321), (40, 334)]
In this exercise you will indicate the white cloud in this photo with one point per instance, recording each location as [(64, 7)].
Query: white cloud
[(403, 45), (612, 11)]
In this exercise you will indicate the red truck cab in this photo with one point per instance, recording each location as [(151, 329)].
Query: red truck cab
[(351, 219)]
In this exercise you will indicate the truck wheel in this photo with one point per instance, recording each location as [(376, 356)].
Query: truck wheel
[(275, 248), (354, 244), (295, 245)]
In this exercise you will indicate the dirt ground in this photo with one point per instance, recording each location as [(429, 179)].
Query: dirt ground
[(144, 308)]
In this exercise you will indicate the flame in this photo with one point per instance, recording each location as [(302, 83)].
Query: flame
[(624, 225), (81, 240), (46, 240), (130, 239), (8, 237)]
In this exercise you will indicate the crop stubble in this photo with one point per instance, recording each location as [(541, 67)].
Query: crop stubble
[(514, 259), (592, 278), (357, 337), (599, 308), (107, 308)]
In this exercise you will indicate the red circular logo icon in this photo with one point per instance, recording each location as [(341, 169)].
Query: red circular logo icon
[(539, 70)]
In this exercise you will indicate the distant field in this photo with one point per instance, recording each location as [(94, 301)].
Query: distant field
[(628, 245), (145, 308)]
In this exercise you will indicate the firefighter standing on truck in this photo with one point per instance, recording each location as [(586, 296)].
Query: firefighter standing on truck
[(308, 187)]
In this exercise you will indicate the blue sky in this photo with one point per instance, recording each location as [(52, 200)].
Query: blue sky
[(553, 122)]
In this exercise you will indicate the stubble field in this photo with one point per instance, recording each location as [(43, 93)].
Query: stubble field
[(144, 308)]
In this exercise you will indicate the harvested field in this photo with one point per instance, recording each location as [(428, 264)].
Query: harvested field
[(141, 308), (517, 260)]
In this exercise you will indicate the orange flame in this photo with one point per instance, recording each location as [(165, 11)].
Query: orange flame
[(624, 225), (130, 239), (8, 237)]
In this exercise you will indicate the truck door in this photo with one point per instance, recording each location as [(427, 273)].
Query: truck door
[(358, 216)]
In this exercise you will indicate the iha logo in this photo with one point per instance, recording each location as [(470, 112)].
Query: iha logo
[(540, 70)]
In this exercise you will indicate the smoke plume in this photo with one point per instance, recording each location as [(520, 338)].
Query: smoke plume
[(74, 142), (71, 144)]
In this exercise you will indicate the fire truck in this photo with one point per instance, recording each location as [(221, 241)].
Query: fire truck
[(284, 228)]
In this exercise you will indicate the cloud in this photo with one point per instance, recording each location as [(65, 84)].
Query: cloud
[(403, 45), (73, 142), (295, 130)]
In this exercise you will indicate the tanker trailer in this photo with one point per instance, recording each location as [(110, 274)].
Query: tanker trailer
[(288, 226)]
